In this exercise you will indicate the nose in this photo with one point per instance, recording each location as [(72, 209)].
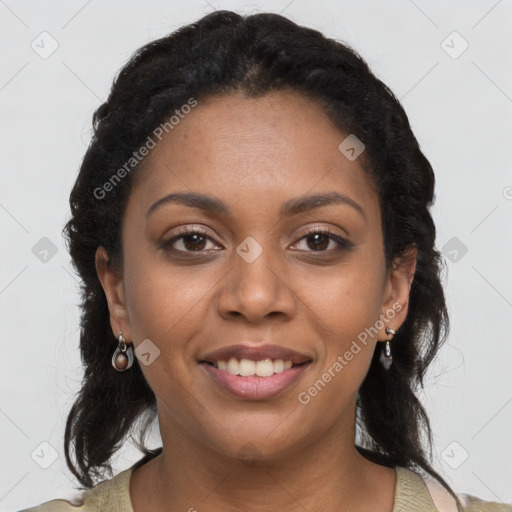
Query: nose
[(257, 289)]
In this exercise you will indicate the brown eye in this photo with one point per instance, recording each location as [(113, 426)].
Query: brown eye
[(188, 241), (194, 242), (319, 240)]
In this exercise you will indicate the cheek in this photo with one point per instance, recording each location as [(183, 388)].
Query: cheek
[(347, 299), (164, 302), (166, 307), (345, 305)]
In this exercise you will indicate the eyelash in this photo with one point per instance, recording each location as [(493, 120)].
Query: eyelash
[(343, 243)]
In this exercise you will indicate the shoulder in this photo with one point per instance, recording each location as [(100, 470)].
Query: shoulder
[(473, 504), (54, 506), (112, 495), (415, 491)]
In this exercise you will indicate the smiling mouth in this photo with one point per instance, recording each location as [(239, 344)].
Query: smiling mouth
[(250, 368), (247, 379)]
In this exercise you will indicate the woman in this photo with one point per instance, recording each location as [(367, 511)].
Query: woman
[(250, 220)]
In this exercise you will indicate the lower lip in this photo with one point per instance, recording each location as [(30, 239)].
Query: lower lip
[(254, 387)]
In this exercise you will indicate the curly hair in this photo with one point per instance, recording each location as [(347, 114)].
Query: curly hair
[(220, 54)]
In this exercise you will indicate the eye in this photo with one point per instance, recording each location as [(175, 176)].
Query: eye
[(317, 240), (188, 240), (320, 239)]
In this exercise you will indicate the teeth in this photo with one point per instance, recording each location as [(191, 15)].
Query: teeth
[(278, 365), (263, 368), (248, 368)]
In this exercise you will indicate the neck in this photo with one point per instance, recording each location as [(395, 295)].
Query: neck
[(324, 474)]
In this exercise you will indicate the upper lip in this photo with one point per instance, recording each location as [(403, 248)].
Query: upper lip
[(255, 353)]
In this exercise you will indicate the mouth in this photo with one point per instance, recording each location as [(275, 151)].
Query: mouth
[(248, 368), (254, 373), (249, 379)]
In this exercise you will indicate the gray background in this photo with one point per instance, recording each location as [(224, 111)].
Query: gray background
[(459, 105)]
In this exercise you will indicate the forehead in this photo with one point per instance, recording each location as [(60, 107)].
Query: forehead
[(243, 149)]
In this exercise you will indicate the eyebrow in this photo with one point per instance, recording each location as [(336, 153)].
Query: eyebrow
[(293, 206)]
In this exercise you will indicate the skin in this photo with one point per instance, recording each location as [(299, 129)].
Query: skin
[(255, 154)]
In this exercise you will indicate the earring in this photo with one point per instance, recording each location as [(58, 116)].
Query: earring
[(385, 356), (122, 359)]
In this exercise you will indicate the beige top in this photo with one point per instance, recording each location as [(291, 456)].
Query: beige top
[(412, 494)]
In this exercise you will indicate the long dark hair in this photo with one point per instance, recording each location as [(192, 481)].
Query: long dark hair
[(220, 54)]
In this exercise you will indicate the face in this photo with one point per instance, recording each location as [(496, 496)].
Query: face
[(247, 261)]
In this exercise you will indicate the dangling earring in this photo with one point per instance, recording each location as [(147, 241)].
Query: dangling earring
[(122, 359), (385, 356)]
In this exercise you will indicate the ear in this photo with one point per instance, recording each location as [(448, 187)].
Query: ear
[(111, 279), (397, 289)]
